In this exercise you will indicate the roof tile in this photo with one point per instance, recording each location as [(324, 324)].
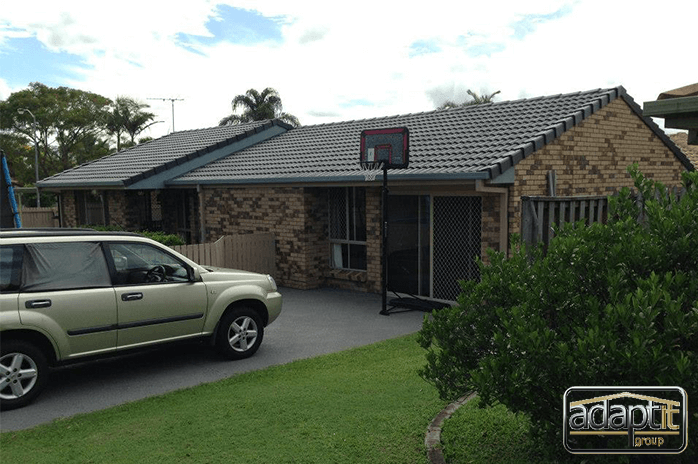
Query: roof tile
[(485, 138)]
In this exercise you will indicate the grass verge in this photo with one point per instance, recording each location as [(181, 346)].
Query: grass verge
[(362, 405)]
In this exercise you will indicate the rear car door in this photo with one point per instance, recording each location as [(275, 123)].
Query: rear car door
[(66, 292), (156, 297)]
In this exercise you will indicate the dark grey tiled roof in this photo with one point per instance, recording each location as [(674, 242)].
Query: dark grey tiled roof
[(147, 159), (467, 142), (473, 142)]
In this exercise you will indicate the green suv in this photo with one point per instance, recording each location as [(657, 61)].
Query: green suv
[(76, 294)]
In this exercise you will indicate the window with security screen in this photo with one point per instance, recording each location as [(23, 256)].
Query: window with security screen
[(347, 228)]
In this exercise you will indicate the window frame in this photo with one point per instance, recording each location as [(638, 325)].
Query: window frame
[(86, 201), (26, 260), (107, 246), (15, 282), (355, 228)]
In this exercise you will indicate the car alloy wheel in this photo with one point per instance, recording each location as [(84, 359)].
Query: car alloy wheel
[(23, 372), (240, 333)]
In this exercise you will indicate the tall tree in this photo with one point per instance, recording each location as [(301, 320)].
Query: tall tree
[(20, 156), (126, 116), (69, 123), (258, 106), (477, 100)]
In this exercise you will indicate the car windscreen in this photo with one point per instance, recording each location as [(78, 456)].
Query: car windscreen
[(64, 266)]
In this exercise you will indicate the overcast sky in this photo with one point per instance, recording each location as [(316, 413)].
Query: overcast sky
[(338, 61)]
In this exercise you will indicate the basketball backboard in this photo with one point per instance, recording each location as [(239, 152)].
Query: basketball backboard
[(389, 146)]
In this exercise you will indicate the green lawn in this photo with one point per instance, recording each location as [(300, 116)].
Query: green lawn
[(358, 406)]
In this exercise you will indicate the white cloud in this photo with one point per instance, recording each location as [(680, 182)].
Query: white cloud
[(336, 54), (5, 90)]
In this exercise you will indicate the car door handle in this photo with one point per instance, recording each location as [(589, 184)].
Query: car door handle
[(34, 304), (131, 296)]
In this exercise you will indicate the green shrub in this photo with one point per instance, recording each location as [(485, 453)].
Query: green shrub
[(493, 434), (165, 239), (613, 304)]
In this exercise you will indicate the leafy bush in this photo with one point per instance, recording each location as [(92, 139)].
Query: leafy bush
[(613, 304), (165, 239), (494, 434)]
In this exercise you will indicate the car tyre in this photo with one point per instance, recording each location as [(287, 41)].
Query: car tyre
[(23, 373), (240, 333)]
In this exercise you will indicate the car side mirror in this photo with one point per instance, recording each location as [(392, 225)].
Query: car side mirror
[(194, 274)]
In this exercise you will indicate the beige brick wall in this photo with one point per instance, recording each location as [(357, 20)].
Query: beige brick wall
[(592, 158), (296, 216), (490, 224), (374, 240), (68, 209)]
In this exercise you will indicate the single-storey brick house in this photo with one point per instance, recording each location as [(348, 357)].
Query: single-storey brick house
[(461, 194)]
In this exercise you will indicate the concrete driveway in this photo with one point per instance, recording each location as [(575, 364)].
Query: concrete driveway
[(312, 323)]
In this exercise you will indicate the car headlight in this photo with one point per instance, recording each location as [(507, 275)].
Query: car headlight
[(272, 282)]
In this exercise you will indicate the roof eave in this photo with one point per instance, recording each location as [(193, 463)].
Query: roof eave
[(47, 184), (480, 175)]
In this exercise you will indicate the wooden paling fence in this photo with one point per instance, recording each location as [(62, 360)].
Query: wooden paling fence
[(39, 217), (249, 252), (539, 215)]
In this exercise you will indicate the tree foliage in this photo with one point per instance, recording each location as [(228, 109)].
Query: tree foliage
[(71, 128), (127, 116), (69, 125), (258, 106), (610, 304), (20, 156), (477, 100)]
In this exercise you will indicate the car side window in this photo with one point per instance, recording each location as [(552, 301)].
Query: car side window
[(141, 263), (10, 268), (64, 266)]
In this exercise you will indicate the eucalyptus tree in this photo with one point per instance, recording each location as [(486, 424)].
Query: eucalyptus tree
[(69, 124)]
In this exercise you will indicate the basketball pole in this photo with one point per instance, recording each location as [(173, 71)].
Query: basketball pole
[(384, 245)]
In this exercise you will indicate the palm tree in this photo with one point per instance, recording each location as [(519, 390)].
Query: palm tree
[(127, 116), (258, 106), (477, 100)]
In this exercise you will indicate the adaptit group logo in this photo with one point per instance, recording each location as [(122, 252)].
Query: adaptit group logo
[(625, 420)]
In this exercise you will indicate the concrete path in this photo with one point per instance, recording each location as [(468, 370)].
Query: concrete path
[(312, 323)]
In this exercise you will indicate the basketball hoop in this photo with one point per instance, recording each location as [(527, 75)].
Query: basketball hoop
[(383, 149), (371, 169)]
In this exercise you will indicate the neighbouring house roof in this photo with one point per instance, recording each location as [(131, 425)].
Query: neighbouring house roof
[(685, 91), (471, 142), (691, 151), (678, 108), (178, 151)]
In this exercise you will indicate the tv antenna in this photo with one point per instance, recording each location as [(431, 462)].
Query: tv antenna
[(171, 100)]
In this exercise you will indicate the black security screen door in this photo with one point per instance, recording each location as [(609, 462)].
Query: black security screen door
[(433, 243), (409, 244), (457, 241)]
